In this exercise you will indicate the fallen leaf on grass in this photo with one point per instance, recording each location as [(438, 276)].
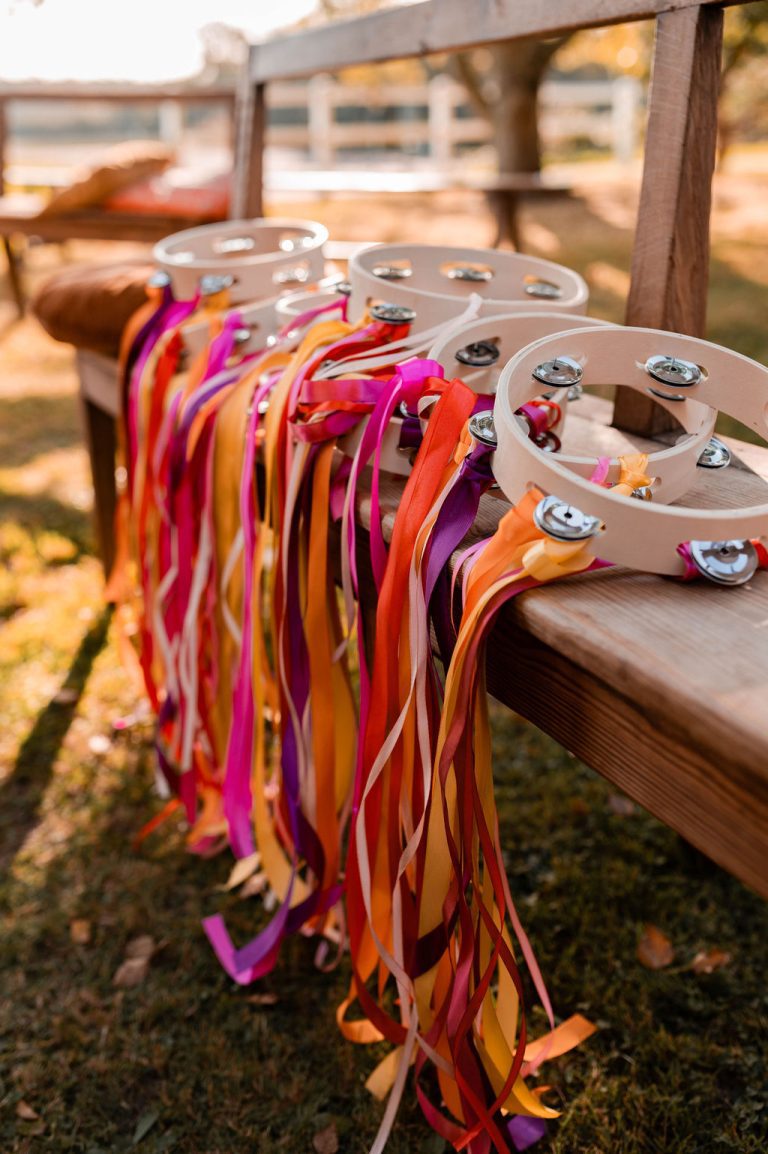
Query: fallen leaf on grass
[(708, 960), (621, 805), (133, 971), (655, 951), (262, 999), (141, 947), (254, 886), (241, 871), (80, 931), (144, 1125), (326, 1141), (25, 1112)]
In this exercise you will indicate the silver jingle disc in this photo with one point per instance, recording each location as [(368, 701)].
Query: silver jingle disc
[(482, 428), (561, 372), (548, 442), (469, 273), (391, 272), (575, 393), (291, 276), (725, 562), (343, 288), (241, 335), (565, 522), (235, 244), (478, 355), (642, 493), (295, 243), (543, 290), (159, 279), (404, 411), (211, 283), (393, 314), (715, 455), (673, 371), (666, 396)]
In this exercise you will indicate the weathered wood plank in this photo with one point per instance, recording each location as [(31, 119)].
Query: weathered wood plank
[(670, 260), (248, 191), (718, 803), (442, 26), (117, 93), (96, 224), (101, 440)]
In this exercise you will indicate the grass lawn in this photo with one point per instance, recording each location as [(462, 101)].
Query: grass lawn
[(184, 1060)]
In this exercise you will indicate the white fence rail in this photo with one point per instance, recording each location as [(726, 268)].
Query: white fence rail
[(606, 113)]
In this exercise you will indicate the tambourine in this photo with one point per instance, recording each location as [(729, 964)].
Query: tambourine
[(437, 282), (256, 259), (689, 377)]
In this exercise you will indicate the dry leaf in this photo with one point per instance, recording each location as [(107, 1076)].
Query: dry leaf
[(262, 999), (655, 950), (131, 972), (326, 1141), (708, 960), (241, 871), (254, 886), (80, 931), (142, 947), (25, 1111), (621, 805)]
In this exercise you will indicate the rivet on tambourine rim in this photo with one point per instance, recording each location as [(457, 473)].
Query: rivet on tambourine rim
[(482, 428), (543, 290), (725, 562), (715, 455), (560, 371), (673, 372), (393, 314), (564, 522), (478, 355)]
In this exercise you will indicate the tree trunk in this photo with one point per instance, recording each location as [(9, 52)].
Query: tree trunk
[(507, 94)]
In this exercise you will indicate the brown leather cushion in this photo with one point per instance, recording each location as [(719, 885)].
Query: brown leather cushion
[(117, 167), (88, 305)]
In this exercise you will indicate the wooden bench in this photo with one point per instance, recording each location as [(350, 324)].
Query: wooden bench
[(659, 687), (19, 211)]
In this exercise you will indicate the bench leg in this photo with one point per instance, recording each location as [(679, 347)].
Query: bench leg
[(14, 273), (504, 205), (101, 441)]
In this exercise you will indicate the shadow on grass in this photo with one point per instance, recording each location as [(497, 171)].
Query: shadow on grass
[(36, 424), (22, 792), (42, 513)]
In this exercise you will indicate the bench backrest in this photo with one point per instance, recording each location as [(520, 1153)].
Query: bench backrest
[(670, 261)]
